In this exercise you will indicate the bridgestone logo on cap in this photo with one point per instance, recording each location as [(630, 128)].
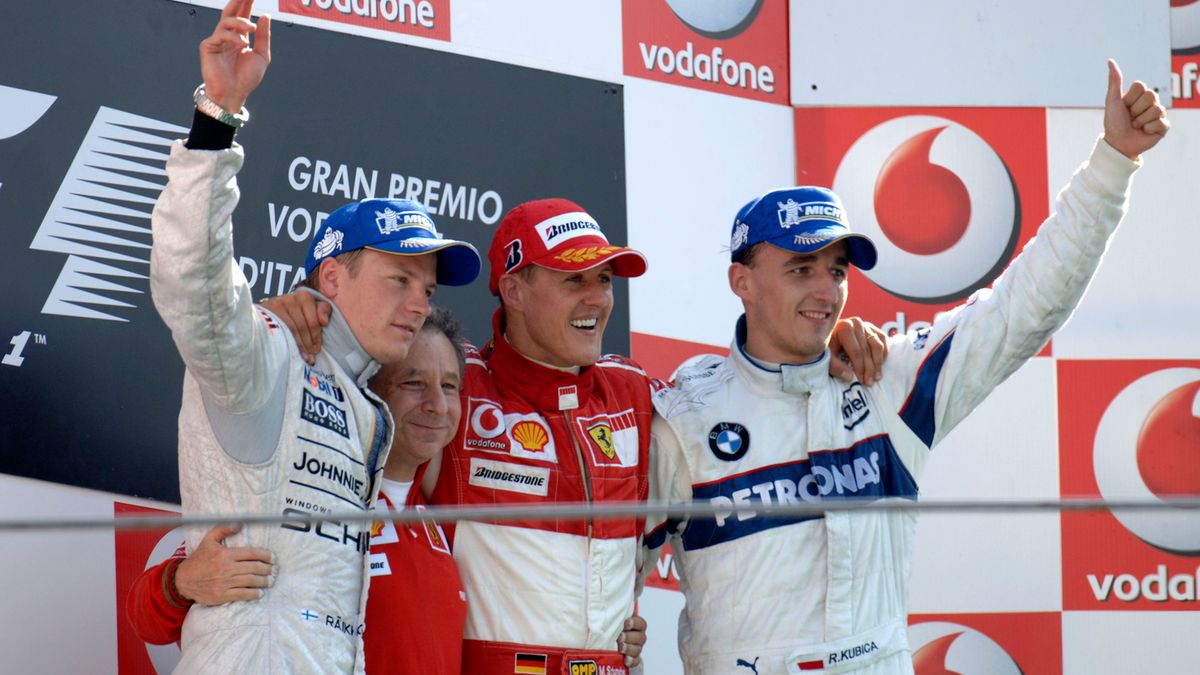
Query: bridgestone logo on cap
[(562, 227)]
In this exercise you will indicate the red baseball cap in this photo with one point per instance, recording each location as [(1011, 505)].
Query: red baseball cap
[(557, 234)]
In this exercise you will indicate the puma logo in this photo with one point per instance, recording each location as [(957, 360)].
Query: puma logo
[(742, 663)]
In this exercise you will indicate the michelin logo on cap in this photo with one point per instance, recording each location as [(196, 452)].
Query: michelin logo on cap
[(331, 242), (793, 213), (390, 220)]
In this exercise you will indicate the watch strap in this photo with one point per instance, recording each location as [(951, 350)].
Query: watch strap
[(209, 107)]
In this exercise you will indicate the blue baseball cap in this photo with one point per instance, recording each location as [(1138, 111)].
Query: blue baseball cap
[(803, 219), (399, 226)]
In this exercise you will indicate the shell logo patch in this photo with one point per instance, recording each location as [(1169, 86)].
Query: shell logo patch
[(531, 435)]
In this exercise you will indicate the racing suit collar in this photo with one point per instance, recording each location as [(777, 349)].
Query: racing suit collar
[(790, 378), (339, 344), (532, 381)]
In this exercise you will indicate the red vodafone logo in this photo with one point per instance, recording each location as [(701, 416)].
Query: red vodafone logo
[(1145, 448), (735, 47), (944, 648), (1185, 26), (1185, 53), (425, 18), (938, 201)]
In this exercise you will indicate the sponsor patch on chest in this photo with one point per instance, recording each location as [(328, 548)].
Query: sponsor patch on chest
[(612, 439), (323, 413), (854, 406), (530, 480)]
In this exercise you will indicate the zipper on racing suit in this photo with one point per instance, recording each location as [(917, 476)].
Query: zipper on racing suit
[(586, 476)]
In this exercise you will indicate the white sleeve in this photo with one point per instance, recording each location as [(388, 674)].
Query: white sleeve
[(669, 482), (235, 353), (937, 377)]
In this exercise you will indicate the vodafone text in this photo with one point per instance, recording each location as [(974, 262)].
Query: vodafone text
[(1156, 586), (1186, 83), (818, 482), (901, 325), (397, 11), (712, 67), (666, 567)]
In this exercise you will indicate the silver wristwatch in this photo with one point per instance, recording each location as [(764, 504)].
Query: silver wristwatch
[(209, 107)]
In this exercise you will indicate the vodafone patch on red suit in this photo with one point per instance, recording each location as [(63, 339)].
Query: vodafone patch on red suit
[(1130, 430), (1185, 53), (426, 18), (998, 644), (735, 47), (136, 551), (948, 195)]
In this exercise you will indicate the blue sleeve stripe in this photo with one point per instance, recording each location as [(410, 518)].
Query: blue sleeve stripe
[(919, 412), (658, 536)]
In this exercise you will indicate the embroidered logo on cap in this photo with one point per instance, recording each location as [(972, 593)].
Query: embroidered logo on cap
[(586, 254), (332, 241), (813, 239), (792, 212), (741, 233), (562, 227), (389, 220), (514, 255)]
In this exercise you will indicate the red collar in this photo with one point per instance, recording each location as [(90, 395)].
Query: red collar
[(545, 388)]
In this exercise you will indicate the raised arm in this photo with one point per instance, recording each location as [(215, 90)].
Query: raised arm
[(197, 287), (936, 378)]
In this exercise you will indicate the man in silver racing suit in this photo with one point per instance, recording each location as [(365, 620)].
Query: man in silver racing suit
[(260, 429), (767, 425)]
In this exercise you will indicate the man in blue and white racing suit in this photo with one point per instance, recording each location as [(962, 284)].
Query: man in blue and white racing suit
[(767, 425)]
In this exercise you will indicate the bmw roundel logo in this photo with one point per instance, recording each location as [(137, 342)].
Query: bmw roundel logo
[(729, 441)]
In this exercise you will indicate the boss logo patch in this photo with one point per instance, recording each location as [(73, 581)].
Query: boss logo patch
[(323, 413)]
